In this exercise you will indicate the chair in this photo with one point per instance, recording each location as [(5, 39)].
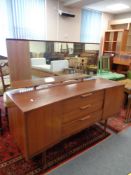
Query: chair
[(104, 70), (4, 74), (92, 63), (5, 82), (104, 64)]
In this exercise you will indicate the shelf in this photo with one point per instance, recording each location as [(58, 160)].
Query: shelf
[(110, 51), (115, 40), (112, 41), (115, 30)]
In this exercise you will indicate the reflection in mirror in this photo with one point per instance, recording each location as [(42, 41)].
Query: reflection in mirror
[(38, 52), (49, 58), (70, 48), (37, 49), (91, 47), (47, 55), (67, 48)]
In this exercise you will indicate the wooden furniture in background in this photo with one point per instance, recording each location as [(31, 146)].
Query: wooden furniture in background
[(127, 90), (119, 27), (122, 62), (115, 40), (41, 118), (124, 24), (4, 75)]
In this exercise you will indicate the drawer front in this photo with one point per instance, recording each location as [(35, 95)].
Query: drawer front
[(82, 123), (82, 110), (85, 99)]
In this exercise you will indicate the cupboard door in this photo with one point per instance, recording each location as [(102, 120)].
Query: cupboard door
[(43, 128), (113, 101)]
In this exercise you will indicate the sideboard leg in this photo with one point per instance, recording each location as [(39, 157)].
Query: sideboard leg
[(43, 160), (1, 129), (105, 125)]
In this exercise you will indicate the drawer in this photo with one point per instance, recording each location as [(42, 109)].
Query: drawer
[(80, 124), (82, 110), (82, 100)]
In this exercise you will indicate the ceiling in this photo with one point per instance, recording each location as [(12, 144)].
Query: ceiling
[(99, 5)]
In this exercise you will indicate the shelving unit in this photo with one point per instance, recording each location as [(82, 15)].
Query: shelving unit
[(128, 45), (121, 60), (115, 41)]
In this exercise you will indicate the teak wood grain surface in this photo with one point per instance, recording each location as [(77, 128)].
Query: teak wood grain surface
[(46, 80), (40, 119), (28, 101)]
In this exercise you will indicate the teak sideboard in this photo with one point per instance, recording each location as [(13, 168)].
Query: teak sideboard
[(40, 119)]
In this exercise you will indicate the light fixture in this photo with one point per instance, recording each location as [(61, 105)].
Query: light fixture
[(117, 7)]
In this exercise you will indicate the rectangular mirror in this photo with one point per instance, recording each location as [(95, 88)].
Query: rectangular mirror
[(49, 58)]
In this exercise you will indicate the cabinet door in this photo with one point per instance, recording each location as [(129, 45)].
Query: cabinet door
[(113, 101), (43, 128)]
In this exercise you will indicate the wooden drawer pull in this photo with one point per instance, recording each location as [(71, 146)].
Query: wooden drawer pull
[(85, 107), (85, 118), (86, 95)]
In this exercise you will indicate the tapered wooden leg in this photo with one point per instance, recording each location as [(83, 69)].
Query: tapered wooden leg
[(105, 125), (128, 114), (6, 114), (43, 160), (1, 129)]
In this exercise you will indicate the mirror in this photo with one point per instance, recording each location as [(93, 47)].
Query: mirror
[(49, 58), (44, 53)]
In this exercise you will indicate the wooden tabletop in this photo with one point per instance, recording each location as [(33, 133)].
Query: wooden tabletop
[(47, 80), (34, 99)]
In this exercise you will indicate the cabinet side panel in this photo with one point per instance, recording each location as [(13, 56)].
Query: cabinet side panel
[(17, 128), (124, 40), (113, 101)]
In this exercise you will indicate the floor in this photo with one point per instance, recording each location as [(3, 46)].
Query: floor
[(110, 157)]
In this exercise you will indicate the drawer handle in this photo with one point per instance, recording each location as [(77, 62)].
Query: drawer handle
[(85, 118), (86, 95), (85, 107)]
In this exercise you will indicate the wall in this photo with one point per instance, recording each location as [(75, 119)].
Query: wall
[(68, 29), (52, 19), (106, 18), (123, 16), (62, 28)]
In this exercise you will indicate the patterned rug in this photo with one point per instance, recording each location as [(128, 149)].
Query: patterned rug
[(118, 123), (13, 163)]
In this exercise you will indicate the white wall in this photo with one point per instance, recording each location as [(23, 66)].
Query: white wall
[(123, 16), (66, 28), (62, 28), (106, 18), (52, 19)]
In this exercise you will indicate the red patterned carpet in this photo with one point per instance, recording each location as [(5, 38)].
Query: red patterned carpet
[(13, 163)]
